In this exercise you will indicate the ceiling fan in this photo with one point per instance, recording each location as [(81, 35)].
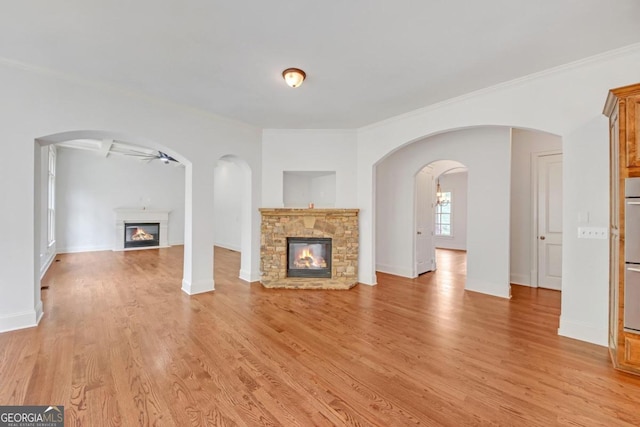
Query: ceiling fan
[(107, 147), (165, 158), (149, 156)]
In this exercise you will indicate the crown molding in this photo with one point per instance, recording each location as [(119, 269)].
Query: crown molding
[(601, 57), (106, 86), (276, 131)]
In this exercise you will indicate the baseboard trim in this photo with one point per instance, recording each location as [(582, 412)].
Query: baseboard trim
[(25, 319), (523, 284), (396, 271), (583, 332), (142, 248), (443, 244), (228, 246), (78, 249), (367, 280), (250, 276), (198, 287), (521, 279), (487, 288), (39, 312), (45, 267)]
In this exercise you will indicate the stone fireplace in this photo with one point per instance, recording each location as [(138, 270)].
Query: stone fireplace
[(309, 248)]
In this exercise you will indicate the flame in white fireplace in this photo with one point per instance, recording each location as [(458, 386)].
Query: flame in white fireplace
[(140, 234)]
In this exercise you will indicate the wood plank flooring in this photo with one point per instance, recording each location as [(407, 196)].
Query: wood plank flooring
[(120, 344)]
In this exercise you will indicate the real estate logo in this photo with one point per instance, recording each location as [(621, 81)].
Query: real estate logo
[(31, 416)]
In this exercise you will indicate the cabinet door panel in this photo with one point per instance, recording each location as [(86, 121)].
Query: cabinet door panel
[(632, 131), (614, 179)]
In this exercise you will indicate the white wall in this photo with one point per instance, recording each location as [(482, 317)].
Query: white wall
[(51, 107), (486, 153), (228, 196), (585, 262), (309, 150), (90, 186), (566, 101), (524, 144), (456, 183), (323, 191)]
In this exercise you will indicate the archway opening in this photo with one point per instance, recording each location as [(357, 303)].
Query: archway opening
[(97, 173), (440, 212), (485, 151), (233, 210)]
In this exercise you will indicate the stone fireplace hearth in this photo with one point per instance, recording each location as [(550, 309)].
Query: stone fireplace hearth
[(339, 225)]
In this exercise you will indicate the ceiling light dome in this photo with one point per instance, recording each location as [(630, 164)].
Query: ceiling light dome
[(294, 76)]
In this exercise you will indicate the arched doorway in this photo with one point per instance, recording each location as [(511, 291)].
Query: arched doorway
[(440, 211), (105, 144), (486, 153), (233, 210)]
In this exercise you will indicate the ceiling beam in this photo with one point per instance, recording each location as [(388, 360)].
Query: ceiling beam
[(105, 147)]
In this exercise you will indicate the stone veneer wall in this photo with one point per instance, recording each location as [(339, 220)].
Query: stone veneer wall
[(341, 225)]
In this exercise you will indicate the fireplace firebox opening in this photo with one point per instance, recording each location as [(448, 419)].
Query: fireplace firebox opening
[(308, 257), (141, 234)]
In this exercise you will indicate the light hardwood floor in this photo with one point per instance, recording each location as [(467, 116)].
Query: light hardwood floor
[(120, 344)]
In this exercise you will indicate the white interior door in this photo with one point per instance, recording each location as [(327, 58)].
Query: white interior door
[(424, 250), (550, 221)]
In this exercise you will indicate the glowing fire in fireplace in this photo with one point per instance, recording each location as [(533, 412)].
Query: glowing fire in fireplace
[(305, 258), (140, 234)]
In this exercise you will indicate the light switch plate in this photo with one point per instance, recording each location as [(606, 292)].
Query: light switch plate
[(592, 233)]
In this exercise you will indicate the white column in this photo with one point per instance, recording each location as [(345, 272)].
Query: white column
[(366, 200), (20, 305), (198, 233), (489, 208), (250, 237)]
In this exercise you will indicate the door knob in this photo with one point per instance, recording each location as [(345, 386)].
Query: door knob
[(419, 232), (542, 237)]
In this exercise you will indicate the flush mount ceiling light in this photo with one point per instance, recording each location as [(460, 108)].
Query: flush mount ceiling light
[(294, 76)]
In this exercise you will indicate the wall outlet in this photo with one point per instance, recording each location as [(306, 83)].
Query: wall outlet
[(592, 233)]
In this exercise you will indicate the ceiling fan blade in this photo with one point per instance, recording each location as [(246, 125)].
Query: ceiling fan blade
[(165, 157), (142, 156)]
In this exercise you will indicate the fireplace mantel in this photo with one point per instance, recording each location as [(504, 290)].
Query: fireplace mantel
[(307, 212), (341, 225), (133, 215)]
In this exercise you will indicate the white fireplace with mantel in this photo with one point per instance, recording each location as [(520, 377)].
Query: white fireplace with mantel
[(141, 215)]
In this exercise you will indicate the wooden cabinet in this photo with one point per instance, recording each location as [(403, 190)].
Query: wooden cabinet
[(614, 235), (632, 128), (623, 109)]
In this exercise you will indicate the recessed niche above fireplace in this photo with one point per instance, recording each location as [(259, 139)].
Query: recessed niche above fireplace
[(301, 188)]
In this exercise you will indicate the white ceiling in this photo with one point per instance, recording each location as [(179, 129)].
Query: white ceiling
[(366, 60)]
